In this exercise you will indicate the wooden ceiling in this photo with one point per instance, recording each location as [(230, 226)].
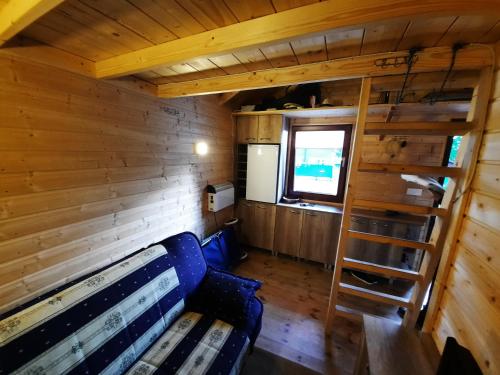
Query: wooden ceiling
[(103, 30)]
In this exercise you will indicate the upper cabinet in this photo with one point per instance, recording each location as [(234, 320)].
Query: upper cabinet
[(259, 128), (247, 129)]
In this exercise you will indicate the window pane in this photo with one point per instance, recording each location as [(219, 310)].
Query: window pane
[(318, 159)]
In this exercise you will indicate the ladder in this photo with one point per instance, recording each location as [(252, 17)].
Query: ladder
[(473, 129)]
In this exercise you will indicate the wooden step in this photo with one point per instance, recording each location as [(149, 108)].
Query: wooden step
[(387, 240), (360, 265), (418, 128), (348, 313), (374, 295), (357, 315), (410, 169), (409, 208)]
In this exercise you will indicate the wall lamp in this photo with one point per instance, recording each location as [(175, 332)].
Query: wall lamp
[(201, 148)]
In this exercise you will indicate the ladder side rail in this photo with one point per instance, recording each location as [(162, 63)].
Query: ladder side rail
[(349, 196)]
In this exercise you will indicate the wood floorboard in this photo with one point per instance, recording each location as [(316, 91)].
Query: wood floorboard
[(295, 296)]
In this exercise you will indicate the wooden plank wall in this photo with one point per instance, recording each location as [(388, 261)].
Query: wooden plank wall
[(90, 172), (470, 306)]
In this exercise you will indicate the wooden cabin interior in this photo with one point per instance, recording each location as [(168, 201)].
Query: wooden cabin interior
[(356, 142)]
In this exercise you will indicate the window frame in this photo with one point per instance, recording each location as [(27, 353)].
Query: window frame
[(339, 198)]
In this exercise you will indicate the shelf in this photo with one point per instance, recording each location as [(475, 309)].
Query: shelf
[(458, 108)]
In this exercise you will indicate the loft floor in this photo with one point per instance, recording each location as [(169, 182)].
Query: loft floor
[(295, 296)]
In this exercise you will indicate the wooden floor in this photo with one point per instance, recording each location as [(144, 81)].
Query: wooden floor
[(295, 296)]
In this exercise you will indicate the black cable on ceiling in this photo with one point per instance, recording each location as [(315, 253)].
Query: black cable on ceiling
[(412, 58)]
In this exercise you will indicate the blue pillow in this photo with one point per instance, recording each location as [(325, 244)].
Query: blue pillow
[(225, 296)]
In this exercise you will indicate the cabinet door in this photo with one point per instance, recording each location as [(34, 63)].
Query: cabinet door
[(263, 235), (246, 213), (319, 236), (270, 128), (288, 230), (247, 128)]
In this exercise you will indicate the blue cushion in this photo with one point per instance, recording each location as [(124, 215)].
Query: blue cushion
[(184, 251), (225, 296)]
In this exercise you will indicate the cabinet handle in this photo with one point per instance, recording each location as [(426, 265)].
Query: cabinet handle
[(310, 214), (268, 138), (263, 207), (295, 212), (249, 138)]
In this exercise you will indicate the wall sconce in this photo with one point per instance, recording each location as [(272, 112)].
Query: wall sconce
[(201, 148)]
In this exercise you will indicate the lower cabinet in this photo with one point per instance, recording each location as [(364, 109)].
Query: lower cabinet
[(288, 230), (307, 234), (246, 214), (257, 223), (320, 232)]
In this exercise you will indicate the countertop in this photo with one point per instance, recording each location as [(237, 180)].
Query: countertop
[(370, 214)]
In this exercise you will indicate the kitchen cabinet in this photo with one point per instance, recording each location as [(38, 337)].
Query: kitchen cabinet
[(307, 234), (257, 223), (246, 214), (288, 230), (270, 128), (264, 221), (247, 129), (259, 129), (320, 232)]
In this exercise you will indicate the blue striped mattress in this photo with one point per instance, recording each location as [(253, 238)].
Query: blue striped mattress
[(127, 318)]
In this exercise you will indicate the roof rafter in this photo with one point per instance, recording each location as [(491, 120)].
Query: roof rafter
[(286, 25), (428, 60)]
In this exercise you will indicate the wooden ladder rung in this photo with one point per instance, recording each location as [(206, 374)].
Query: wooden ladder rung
[(357, 315), (409, 208), (349, 313), (360, 265), (410, 169), (418, 128), (374, 295), (387, 240)]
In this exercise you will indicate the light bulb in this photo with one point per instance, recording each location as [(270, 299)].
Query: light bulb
[(201, 148)]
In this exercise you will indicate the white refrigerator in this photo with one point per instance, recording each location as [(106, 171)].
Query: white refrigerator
[(262, 172)]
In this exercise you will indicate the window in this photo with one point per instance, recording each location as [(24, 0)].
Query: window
[(452, 158), (318, 162)]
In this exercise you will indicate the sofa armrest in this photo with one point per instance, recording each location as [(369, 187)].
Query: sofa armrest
[(230, 298)]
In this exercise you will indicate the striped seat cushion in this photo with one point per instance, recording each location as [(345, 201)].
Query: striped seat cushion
[(195, 344), (102, 324)]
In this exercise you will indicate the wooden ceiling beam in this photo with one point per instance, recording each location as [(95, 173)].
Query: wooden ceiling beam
[(428, 60), (287, 25), (16, 15)]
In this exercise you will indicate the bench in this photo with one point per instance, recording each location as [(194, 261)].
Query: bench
[(388, 348)]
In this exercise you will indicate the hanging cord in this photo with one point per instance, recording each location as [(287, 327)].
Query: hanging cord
[(412, 59), (456, 47)]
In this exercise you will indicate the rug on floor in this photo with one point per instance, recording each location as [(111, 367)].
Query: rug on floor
[(263, 362)]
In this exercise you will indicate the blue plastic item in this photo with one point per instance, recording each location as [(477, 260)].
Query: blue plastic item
[(222, 250)]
